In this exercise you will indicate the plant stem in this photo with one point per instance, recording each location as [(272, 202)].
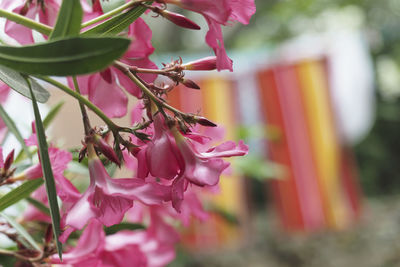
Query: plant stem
[(31, 24), (111, 13), (125, 69), (154, 71), (111, 125), (85, 117)]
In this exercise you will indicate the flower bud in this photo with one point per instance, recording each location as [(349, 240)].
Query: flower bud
[(205, 122), (178, 19), (9, 160), (207, 63), (106, 149), (190, 84)]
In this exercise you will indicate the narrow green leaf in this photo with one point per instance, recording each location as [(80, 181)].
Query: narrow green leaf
[(13, 128), (39, 205), (21, 192), (65, 57), (69, 19), (109, 5), (18, 83), (123, 226), (52, 114), (21, 231), (48, 175), (117, 23)]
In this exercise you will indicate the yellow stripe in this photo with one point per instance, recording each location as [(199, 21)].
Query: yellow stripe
[(323, 140), (217, 103)]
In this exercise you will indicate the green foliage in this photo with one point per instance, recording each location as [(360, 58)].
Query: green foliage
[(48, 175), (117, 23), (22, 232), (18, 83), (123, 226), (39, 205), (69, 20), (21, 192), (65, 57), (13, 128)]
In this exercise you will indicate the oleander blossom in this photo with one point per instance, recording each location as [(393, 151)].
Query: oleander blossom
[(46, 12), (108, 199), (105, 88), (124, 249), (217, 13), (172, 156)]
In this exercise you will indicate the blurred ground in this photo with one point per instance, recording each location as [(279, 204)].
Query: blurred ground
[(374, 242)]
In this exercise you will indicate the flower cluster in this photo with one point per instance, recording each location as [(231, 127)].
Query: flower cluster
[(171, 161)]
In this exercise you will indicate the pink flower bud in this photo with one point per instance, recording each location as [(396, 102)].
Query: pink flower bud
[(106, 149), (205, 122), (178, 19), (207, 63), (9, 160), (190, 84)]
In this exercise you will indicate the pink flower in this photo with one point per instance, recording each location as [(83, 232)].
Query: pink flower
[(105, 88), (219, 13), (207, 63), (59, 160), (125, 248), (202, 168), (174, 157), (161, 156), (159, 215), (47, 14), (108, 199)]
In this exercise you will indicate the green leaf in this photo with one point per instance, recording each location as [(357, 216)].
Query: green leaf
[(21, 231), (21, 192), (48, 175), (39, 205), (13, 128), (52, 114), (117, 23), (123, 226), (18, 83), (69, 20), (109, 5), (65, 57), (8, 261)]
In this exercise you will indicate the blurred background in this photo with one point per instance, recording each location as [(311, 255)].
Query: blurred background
[(315, 93)]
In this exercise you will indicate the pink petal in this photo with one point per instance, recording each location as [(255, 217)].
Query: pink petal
[(107, 96), (4, 92), (162, 153), (83, 83), (227, 149), (81, 212), (242, 10), (216, 10), (215, 40), (110, 209), (89, 245), (1, 158), (137, 113), (18, 32), (141, 46)]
